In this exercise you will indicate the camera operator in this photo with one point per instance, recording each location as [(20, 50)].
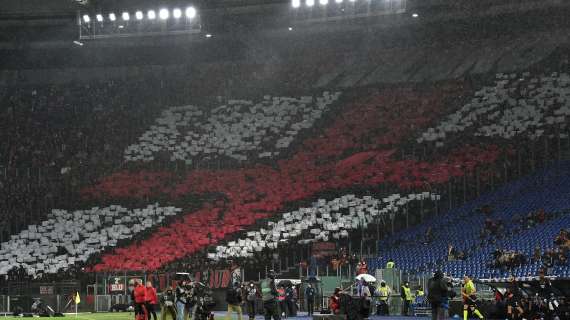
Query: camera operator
[(201, 301), (269, 295), (168, 304), (547, 304), (437, 294), (183, 300)]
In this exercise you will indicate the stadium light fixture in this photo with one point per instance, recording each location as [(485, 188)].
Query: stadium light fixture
[(290, 28), (310, 3), (208, 35), (338, 1), (324, 2), (352, 0), (296, 3), (176, 13), (99, 17), (151, 14), (126, 16), (86, 18), (415, 15), (139, 15), (112, 16), (190, 12), (78, 43), (163, 14)]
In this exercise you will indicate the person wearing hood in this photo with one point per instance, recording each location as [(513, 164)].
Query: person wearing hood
[(437, 295)]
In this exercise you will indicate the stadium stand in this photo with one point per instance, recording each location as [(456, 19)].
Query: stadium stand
[(59, 137), (232, 130), (546, 190), (363, 144), (350, 153), (70, 237), (323, 221), (518, 104)]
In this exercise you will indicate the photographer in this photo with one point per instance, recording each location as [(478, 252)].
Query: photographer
[(251, 296), (269, 295), (168, 302), (515, 308), (334, 301)]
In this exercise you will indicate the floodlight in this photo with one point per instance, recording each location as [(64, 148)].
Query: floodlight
[(126, 16), (139, 15), (163, 14), (324, 2), (338, 1), (190, 12), (86, 18), (112, 17), (177, 13), (296, 3), (208, 35), (415, 15), (310, 3), (151, 14), (99, 17)]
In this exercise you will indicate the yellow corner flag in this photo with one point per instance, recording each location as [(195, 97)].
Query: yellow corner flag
[(77, 299)]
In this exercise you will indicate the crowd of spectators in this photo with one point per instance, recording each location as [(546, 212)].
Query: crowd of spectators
[(558, 255), (56, 138), (508, 259), (70, 128), (532, 219)]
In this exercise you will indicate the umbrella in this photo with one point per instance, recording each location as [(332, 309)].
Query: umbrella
[(285, 283), (366, 277)]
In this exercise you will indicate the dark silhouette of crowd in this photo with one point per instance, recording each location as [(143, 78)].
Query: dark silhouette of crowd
[(57, 138)]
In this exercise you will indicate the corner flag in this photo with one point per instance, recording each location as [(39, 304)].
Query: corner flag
[(77, 299)]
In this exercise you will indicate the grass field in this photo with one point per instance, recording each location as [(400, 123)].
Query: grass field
[(90, 316)]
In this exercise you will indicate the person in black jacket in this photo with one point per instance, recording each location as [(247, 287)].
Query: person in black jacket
[(437, 294), (168, 304), (234, 300), (310, 294)]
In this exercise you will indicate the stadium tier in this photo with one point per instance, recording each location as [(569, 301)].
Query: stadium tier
[(547, 191), (356, 146)]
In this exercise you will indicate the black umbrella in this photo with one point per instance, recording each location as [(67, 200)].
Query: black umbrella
[(286, 283)]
